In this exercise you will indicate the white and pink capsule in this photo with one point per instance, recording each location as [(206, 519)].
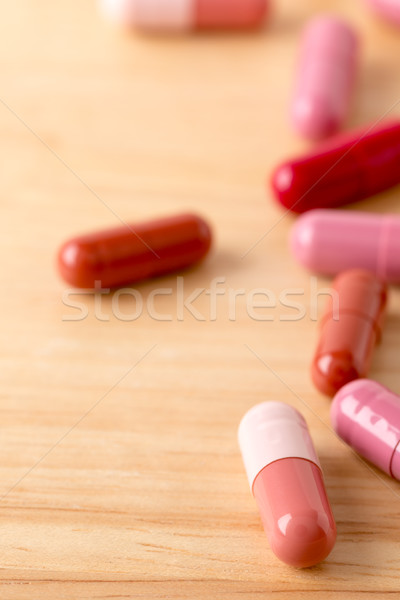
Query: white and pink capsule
[(184, 15), (286, 480)]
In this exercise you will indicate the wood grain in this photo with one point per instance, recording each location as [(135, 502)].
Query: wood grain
[(120, 473)]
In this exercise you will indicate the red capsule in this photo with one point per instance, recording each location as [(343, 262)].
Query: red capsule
[(131, 253), (347, 169), (351, 328)]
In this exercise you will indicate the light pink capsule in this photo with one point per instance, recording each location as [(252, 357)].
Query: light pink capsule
[(325, 77), (181, 15), (330, 241), (389, 9)]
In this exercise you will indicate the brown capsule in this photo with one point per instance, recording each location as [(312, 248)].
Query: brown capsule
[(350, 329), (127, 254)]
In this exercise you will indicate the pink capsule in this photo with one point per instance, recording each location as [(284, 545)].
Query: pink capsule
[(389, 9), (181, 15), (366, 415), (330, 241), (286, 480), (325, 77)]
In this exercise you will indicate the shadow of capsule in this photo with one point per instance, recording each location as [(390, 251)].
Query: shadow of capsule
[(385, 363), (370, 98), (365, 506)]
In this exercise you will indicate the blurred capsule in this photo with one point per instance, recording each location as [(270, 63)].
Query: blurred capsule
[(130, 253), (348, 168), (389, 9), (325, 77), (181, 15), (331, 241)]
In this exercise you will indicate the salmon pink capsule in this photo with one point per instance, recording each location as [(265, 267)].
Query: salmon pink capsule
[(345, 169), (183, 15), (128, 254), (286, 480), (325, 77)]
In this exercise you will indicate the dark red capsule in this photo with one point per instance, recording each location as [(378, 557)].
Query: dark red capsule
[(347, 169), (131, 253)]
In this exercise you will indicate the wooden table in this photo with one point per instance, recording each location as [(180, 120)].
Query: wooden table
[(120, 470)]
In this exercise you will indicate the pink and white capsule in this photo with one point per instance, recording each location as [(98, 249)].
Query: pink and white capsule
[(287, 483), (366, 415), (181, 15), (325, 77)]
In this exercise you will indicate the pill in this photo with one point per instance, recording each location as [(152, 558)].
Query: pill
[(344, 169), (350, 329), (366, 415), (389, 9), (286, 480), (181, 15), (131, 253), (330, 241), (325, 77)]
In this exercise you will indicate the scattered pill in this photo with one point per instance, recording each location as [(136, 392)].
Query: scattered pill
[(286, 480), (181, 15), (330, 241), (389, 9), (350, 329), (325, 77), (134, 252), (366, 415), (349, 168)]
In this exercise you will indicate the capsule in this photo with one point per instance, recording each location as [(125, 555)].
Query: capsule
[(366, 415), (346, 169), (184, 15), (131, 253), (350, 329), (325, 77), (330, 241), (286, 480), (388, 9)]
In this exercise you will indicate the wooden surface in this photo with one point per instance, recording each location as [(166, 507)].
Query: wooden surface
[(119, 466)]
